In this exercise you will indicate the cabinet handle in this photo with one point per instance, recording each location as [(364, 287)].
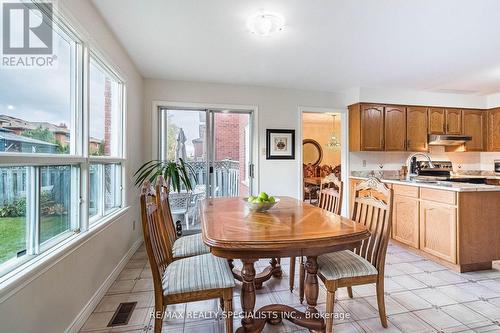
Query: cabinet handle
[(408, 144), (447, 128)]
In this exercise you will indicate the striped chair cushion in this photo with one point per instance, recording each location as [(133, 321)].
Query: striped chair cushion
[(344, 264), (188, 246), (197, 273)]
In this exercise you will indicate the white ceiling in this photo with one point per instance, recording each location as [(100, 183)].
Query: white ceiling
[(327, 45)]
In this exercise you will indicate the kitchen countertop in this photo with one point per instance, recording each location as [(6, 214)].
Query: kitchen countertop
[(440, 185)]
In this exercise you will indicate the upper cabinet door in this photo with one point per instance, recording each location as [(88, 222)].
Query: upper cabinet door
[(475, 126), (454, 121), (416, 128), (372, 127), (437, 121), (395, 128), (494, 129)]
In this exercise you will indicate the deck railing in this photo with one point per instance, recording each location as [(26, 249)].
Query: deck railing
[(226, 176)]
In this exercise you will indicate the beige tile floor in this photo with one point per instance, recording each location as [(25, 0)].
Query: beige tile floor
[(421, 296)]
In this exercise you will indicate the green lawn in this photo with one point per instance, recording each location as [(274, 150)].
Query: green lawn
[(13, 233)]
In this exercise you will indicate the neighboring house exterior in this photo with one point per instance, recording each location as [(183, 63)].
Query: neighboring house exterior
[(11, 142), (11, 134)]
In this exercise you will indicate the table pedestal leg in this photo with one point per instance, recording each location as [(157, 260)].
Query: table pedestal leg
[(276, 267), (273, 270), (311, 285), (247, 295)]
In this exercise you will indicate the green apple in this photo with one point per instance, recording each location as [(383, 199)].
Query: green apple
[(258, 200), (251, 199), (263, 196), (272, 199)]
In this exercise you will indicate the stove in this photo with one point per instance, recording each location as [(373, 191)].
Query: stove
[(442, 172)]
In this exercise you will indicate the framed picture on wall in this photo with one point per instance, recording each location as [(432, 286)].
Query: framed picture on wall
[(280, 144)]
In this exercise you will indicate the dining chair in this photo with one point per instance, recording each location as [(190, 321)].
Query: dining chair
[(325, 170), (185, 280), (330, 194), (179, 205), (330, 199), (309, 190), (185, 246), (365, 264)]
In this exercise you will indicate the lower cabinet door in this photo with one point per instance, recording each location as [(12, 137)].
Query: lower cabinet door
[(438, 230), (405, 224)]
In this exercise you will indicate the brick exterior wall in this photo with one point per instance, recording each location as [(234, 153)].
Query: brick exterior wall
[(230, 142)]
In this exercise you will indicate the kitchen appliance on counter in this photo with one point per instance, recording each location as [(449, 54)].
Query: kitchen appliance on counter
[(442, 172), (497, 166)]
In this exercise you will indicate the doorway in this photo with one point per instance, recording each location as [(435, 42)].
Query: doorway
[(323, 150), (215, 144)]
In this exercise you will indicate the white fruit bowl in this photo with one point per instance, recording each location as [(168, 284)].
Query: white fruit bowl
[(260, 206)]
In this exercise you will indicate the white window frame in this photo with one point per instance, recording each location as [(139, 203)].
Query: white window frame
[(79, 160)]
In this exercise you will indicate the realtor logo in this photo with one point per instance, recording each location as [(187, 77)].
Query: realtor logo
[(27, 28), (27, 35)]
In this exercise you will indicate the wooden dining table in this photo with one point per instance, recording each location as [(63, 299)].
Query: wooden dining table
[(291, 228)]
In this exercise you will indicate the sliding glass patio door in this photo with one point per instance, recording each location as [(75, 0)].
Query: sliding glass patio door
[(216, 144)]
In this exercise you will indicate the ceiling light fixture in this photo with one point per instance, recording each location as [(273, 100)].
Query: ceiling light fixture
[(334, 142), (265, 24)]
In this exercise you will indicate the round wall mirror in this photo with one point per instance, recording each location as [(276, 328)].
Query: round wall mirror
[(311, 152)]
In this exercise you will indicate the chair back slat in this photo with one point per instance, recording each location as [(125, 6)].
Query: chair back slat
[(330, 197), (155, 237), (372, 208), (162, 201)]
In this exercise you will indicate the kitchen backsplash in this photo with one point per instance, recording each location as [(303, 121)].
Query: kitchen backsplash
[(364, 161)]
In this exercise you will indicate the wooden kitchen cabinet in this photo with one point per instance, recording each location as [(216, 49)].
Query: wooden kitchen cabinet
[(416, 128), (494, 129), (405, 219), (372, 127), (438, 230), (395, 128), (454, 121), (437, 121), (474, 124)]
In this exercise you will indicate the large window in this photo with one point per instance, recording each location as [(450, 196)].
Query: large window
[(105, 111), (59, 174), (13, 202), (37, 105), (105, 190)]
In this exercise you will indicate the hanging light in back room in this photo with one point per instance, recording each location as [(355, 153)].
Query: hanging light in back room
[(334, 142)]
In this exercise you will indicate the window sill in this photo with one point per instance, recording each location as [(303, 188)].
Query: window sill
[(19, 277)]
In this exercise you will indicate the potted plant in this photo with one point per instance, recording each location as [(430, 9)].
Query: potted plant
[(175, 173)]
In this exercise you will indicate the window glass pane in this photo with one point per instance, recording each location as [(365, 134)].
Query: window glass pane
[(37, 103), (105, 113), (13, 226), (55, 201), (112, 185), (94, 189)]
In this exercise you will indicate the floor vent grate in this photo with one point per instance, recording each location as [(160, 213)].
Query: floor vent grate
[(122, 314)]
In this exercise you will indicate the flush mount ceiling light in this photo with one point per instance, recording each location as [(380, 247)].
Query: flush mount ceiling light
[(265, 24)]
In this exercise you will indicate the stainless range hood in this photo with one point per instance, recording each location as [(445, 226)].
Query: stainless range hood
[(448, 140)]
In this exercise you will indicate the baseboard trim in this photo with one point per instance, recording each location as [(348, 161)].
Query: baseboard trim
[(85, 313)]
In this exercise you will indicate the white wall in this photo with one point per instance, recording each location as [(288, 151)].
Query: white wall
[(50, 302), (415, 97), (493, 100), (277, 108)]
